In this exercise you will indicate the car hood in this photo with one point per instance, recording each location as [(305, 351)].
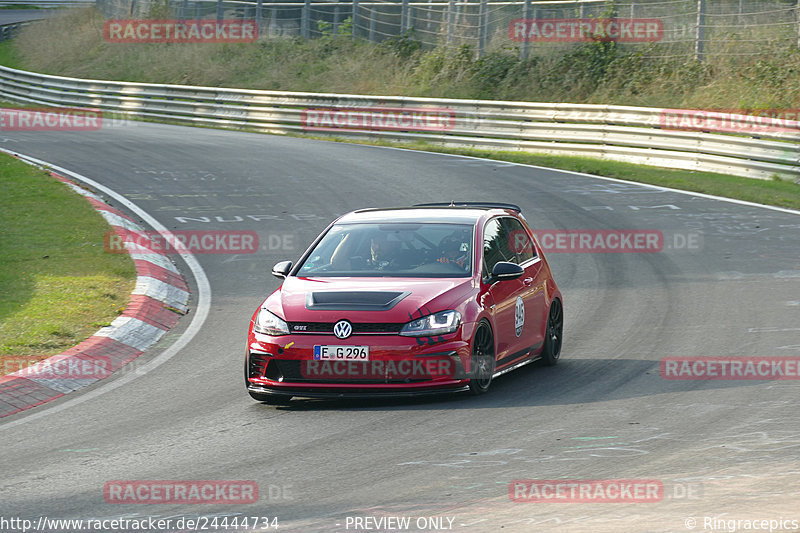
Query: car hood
[(369, 299)]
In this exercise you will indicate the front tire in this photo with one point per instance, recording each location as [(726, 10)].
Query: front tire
[(483, 362), (553, 334)]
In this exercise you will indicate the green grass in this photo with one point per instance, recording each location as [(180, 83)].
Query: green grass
[(779, 193), (9, 57), (770, 192), (72, 44), (58, 285)]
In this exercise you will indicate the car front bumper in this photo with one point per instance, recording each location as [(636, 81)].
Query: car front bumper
[(397, 366)]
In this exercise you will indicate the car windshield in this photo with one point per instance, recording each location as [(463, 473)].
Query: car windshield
[(426, 250)]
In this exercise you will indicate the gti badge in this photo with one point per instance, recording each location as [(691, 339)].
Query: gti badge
[(343, 329)]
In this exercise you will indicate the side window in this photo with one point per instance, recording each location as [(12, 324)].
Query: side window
[(519, 240), (495, 246)]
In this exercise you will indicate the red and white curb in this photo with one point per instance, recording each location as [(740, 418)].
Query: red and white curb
[(159, 299)]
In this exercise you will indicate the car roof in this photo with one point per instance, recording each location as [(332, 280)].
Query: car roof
[(448, 214)]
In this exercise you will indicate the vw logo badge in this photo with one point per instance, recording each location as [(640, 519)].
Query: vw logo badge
[(343, 329)]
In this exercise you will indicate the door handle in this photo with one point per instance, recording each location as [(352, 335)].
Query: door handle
[(527, 281)]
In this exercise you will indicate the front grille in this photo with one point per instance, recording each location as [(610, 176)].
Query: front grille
[(366, 328)]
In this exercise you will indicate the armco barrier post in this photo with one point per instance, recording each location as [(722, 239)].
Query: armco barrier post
[(404, 17), (483, 26), (336, 20), (428, 15), (273, 22), (700, 35), (305, 20), (451, 20), (527, 12), (372, 24), (355, 18), (797, 18), (259, 14)]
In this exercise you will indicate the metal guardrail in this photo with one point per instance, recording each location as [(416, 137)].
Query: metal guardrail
[(622, 133), (47, 3), (8, 31)]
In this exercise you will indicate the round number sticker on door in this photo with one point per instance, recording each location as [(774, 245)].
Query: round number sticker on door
[(519, 316)]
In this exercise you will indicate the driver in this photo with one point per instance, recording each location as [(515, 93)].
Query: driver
[(383, 251)]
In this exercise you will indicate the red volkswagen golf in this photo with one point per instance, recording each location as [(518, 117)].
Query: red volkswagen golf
[(406, 301)]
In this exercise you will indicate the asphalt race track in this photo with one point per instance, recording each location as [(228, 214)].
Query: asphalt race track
[(727, 283), (10, 16)]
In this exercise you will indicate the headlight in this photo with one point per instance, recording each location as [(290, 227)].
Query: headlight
[(270, 324), (432, 325)]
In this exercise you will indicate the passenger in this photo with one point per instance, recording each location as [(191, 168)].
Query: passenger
[(454, 252)]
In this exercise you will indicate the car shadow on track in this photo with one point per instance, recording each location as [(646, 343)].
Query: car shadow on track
[(572, 381)]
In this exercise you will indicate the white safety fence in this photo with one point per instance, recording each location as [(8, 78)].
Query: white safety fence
[(728, 143), (685, 28)]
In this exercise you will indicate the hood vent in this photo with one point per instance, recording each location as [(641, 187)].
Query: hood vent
[(353, 300)]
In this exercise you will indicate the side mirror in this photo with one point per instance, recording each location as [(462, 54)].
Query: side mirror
[(504, 271), (282, 269)]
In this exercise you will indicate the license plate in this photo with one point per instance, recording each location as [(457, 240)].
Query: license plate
[(341, 353)]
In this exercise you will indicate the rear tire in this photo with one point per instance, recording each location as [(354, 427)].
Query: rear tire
[(553, 334), (270, 399), (483, 362)]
